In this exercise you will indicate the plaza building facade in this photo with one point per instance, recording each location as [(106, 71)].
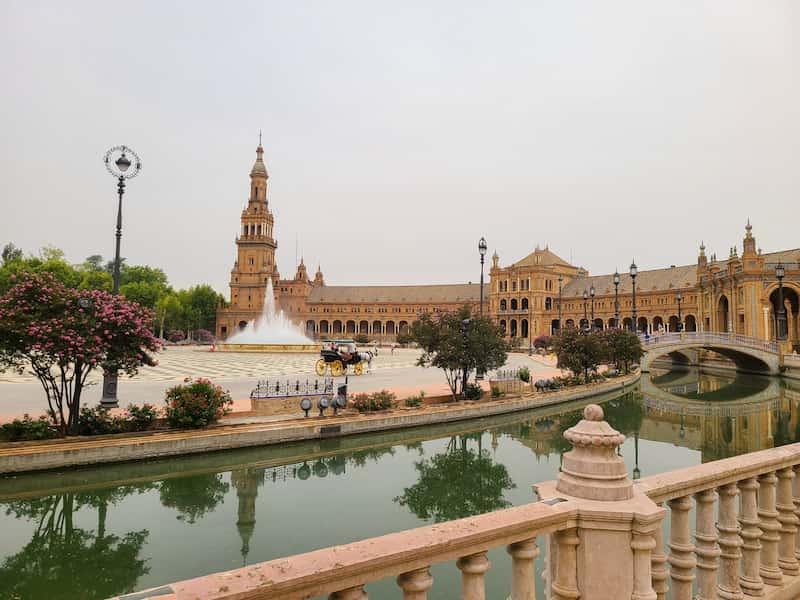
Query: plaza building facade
[(533, 296)]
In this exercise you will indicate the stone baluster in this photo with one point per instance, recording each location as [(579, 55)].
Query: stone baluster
[(730, 545), (415, 584), (796, 502), (642, 544), (523, 554), (769, 525), (750, 579), (472, 569), (353, 593), (681, 556), (788, 533), (659, 570), (565, 586), (706, 545)]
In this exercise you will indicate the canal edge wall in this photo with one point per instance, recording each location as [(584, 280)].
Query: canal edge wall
[(27, 457)]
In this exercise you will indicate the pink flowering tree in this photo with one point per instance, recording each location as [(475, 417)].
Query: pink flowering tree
[(62, 334)]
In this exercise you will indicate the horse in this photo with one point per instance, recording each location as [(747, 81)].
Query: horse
[(366, 356)]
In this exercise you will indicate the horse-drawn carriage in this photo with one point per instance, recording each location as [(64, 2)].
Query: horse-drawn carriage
[(337, 355)]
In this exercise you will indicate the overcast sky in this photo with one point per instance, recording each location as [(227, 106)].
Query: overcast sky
[(397, 134)]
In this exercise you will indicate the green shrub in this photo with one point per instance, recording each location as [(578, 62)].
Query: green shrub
[(415, 401), (473, 392), (361, 338), (196, 404), (27, 428), (524, 374), (98, 421), (140, 418), (496, 393), (382, 400), (404, 338)]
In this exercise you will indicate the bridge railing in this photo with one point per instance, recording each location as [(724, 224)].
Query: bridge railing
[(708, 337), (749, 546)]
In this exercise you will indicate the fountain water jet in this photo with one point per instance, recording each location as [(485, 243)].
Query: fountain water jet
[(272, 331)]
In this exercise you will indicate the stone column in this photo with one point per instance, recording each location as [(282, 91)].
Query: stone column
[(415, 584), (706, 545), (523, 555), (788, 521), (750, 578), (768, 523), (472, 570), (354, 593), (730, 544)]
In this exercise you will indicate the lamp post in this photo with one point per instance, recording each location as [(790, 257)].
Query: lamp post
[(780, 273), (122, 169), (482, 252), (679, 298), (591, 294), (560, 281), (616, 299), (585, 317), (634, 271)]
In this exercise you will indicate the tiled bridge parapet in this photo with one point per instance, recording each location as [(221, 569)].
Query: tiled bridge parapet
[(749, 354)]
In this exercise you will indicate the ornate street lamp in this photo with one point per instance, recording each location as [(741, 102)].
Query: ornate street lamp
[(616, 299), (121, 168), (585, 318), (482, 252), (560, 281), (679, 298), (591, 293), (634, 271), (780, 273)]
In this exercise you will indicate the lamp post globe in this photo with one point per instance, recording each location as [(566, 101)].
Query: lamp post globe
[(122, 168), (634, 271)]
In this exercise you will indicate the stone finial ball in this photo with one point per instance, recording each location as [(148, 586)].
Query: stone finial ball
[(593, 412)]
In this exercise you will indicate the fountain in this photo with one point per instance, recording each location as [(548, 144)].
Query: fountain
[(271, 332)]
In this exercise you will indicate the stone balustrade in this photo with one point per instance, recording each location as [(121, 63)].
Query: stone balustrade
[(604, 537)]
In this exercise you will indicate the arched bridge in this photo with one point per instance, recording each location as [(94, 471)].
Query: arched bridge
[(748, 353)]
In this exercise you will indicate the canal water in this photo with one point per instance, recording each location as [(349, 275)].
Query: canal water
[(93, 533)]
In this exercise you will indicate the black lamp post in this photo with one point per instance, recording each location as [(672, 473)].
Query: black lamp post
[(585, 317), (634, 271), (679, 298), (560, 281), (121, 169), (616, 299), (780, 273), (591, 294), (482, 252)]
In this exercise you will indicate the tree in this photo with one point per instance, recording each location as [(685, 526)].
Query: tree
[(63, 334), (195, 495), (11, 253), (93, 263), (459, 344), (458, 483), (168, 309), (578, 351), (622, 347), (200, 307), (145, 293)]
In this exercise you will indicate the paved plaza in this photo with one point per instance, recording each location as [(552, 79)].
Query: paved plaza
[(239, 372)]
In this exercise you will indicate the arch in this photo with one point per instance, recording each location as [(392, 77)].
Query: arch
[(390, 328), (503, 305), (569, 323), (503, 326), (554, 326), (524, 328), (626, 323), (598, 324), (513, 304), (548, 304), (723, 313), (513, 327), (242, 324), (402, 328), (363, 327), (377, 328), (350, 327), (311, 327), (674, 324), (583, 324), (791, 307), (524, 304), (658, 323), (641, 324), (324, 327), (612, 323), (690, 323), (337, 326)]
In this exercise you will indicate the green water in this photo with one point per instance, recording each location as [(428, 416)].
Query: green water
[(93, 533)]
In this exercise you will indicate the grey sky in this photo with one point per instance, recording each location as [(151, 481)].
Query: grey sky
[(396, 134)]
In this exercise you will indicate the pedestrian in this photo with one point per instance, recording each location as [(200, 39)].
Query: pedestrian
[(392, 352)]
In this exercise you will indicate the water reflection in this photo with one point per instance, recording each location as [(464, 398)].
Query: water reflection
[(182, 517)]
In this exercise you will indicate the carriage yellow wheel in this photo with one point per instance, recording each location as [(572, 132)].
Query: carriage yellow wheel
[(320, 367), (358, 369), (337, 368)]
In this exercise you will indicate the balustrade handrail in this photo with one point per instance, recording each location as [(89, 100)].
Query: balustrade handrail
[(709, 337), (351, 565), (708, 476)]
